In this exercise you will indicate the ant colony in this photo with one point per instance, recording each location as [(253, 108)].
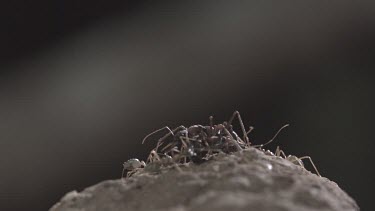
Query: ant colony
[(199, 143)]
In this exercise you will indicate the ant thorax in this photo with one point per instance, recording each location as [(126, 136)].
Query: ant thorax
[(295, 160)]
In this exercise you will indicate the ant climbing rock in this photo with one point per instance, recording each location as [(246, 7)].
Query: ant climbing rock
[(296, 160)]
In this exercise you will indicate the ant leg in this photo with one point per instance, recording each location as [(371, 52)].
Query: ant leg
[(210, 127), (172, 144), (282, 152), (171, 132), (205, 143), (177, 158), (158, 130), (211, 119), (230, 129), (183, 142), (232, 140), (153, 155), (175, 164), (130, 173), (149, 159), (178, 128), (122, 174), (178, 168), (161, 140), (173, 151), (262, 145), (184, 149), (279, 152), (312, 163), (236, 113), (156, 155), (158, 145), (251, 128)]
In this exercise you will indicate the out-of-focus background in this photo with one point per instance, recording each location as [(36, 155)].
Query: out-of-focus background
[(82, 83)]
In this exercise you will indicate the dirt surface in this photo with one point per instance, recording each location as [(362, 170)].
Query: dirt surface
[(247, 180)]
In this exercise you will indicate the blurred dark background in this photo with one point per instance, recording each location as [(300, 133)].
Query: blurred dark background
[(82, 83)]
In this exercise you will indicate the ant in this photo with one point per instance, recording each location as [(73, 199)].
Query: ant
[(132, 166), (292, 158), (296, 160)]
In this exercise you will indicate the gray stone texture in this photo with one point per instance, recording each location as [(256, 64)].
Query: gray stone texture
[(247, 180)]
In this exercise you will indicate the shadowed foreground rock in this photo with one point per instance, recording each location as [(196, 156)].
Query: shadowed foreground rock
[(249, 180)]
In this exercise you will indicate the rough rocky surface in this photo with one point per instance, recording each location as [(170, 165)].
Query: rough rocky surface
[(250, 180)]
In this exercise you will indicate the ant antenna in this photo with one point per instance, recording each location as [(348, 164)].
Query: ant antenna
[(166, 127), (262, 145)]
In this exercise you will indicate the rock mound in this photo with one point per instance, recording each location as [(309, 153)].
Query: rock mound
[(246, 180)]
